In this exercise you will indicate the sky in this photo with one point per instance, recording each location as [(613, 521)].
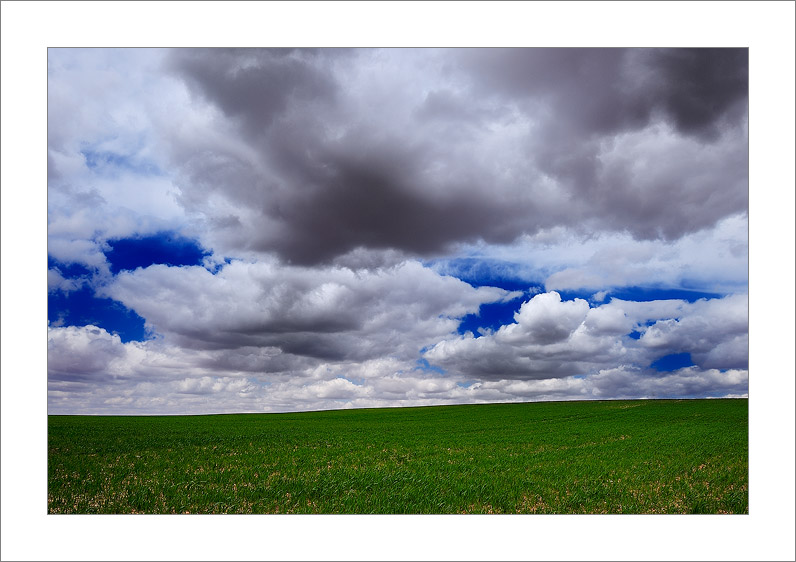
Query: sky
[(271, 230)]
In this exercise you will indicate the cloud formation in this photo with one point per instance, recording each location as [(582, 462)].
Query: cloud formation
[(329, 204), (481, 145), (333, 313), (551, 338)]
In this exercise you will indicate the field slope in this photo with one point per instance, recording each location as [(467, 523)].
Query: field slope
[(653, 456)]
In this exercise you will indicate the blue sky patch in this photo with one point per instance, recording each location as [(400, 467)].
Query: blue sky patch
[(672, 362), (82, 307), (165, 248), (642, 294), (489, 273), (491, 316)]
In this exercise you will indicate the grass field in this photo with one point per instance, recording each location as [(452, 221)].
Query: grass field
[(656, 456)]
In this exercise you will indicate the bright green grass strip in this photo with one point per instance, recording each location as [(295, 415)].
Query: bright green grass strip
[(655, 456)]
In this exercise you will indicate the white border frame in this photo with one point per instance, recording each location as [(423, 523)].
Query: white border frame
[(767, 28)]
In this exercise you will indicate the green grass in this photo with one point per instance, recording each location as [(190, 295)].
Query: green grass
[(656, 456)]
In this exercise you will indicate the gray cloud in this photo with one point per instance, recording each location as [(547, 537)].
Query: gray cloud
[(325, 173), (649, 141), (551, 338), (256, 86), (700, 90), (82, 354), (714, 331), (603, 91), (352, 149), (371, 195), (93, 372), (332, 314)]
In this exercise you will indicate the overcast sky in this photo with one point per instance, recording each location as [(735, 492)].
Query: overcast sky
[(278, 230)]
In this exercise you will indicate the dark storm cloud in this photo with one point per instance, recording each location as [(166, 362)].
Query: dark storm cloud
[(359, 194), (255, 86), (602, 91), (651, 141), (583, 85), (415, 151), (322, 196), (697, 88)]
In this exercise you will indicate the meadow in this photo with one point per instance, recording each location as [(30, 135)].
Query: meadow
[(644, 456)]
